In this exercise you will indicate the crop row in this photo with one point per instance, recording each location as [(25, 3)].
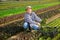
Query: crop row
[(55, 22), (9, 9)]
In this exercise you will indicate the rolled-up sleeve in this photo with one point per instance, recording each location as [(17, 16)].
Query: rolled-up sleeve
[(37, 18), (28, 19)]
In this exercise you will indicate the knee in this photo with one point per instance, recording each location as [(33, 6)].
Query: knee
[(25, 25)]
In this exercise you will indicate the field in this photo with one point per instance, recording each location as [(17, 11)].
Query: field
[(10, 8), (13, 30)]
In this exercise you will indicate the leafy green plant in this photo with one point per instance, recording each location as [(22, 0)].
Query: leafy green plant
[(43, 22)]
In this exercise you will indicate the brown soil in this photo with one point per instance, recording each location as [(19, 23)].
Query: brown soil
[(25, 36), (52, 18)]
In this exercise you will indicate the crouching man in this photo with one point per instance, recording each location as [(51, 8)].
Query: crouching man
[(31, 19)]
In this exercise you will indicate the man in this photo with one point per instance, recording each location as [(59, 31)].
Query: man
[(31, 19)]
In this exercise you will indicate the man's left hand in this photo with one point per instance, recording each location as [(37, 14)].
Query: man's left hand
[(38, 24)]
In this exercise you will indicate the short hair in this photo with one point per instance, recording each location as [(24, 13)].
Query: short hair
[(28, 7)]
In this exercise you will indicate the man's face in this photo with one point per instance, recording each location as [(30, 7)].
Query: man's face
[(29, 10)]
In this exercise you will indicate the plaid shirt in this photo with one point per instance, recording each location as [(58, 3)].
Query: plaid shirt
[(32, 18)]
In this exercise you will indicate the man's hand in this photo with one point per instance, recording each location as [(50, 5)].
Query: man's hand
[(38, 24)]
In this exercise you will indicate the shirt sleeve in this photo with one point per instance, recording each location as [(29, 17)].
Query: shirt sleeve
[(28, 19), (36, 17)]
